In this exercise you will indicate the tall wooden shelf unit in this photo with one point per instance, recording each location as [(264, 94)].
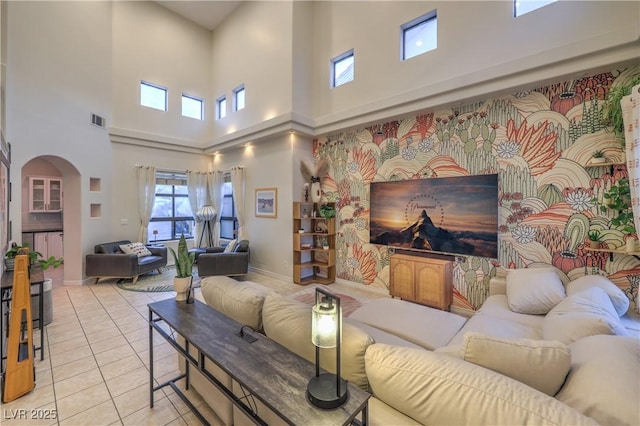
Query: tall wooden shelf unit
[(422, 280), (311, 262)]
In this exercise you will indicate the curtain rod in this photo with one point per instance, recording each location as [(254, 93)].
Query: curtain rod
[(186, 171)]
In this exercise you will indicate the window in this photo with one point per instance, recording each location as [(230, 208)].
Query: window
[(192, 107), (228, 220), (221, 107), (419, 36), (342, 69), (153, 96), (238, 98), (171, 216), (520, 7)]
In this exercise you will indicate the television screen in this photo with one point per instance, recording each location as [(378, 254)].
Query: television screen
[(457, 215)]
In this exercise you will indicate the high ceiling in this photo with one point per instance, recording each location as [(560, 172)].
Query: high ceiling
[(208, 14)]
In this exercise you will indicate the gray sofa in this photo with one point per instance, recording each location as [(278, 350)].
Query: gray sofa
[(109, 261), (214, 261)]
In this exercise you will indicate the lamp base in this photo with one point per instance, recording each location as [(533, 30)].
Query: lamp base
[(321, 391)]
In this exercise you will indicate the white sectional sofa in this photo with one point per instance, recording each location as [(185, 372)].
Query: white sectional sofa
[(425, 366)]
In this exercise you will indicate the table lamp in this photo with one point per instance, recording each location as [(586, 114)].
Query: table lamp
[(326, 390)]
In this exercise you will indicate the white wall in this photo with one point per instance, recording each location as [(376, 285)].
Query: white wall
[(58, 73), (153, 44), (253, 47), (272, 163), (482, 49)]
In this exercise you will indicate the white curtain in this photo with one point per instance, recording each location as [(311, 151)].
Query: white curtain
[(215, 180), (631, 116), (146, 199), (237, 184), (198, 197)]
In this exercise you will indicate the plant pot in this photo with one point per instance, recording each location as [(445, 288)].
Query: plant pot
[(594, 244), (181, 286), (9, 263), (598, 160)]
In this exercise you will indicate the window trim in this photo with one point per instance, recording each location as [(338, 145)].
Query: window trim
[(336, 60), (221, 112), (155, 86), (433, 15), (169, 176), (235, 97), (234, 218), (194, 98), (515, 7)]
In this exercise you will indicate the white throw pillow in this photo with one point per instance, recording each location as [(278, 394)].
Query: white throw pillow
[(619, 300), (231, 246), (135, 248), (541, 364), (603, 382), (583, 314), (533, 291)]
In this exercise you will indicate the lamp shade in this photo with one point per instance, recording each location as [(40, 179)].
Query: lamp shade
[(324, 323), (206, 212)]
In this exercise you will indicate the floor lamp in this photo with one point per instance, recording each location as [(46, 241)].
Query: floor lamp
[(206, 213)]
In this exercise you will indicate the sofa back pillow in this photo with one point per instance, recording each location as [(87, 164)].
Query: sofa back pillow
[(533, 291), (434, 388), (288, 322), (541, 364), (603, 382), (619, 300), (138, 249), (582, 314)]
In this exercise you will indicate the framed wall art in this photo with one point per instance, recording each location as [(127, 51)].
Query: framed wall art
[(267, 202)]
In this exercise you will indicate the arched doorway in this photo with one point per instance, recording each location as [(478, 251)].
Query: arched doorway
[(50, 188)]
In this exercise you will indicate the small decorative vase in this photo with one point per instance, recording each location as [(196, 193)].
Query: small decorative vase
[(316, 192), (181, 286), (598, 160), (594, 244)]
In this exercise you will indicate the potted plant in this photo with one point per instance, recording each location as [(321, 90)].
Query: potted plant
[(10, 256), (184, 268), (612, 109), (618, 199), (594, 239), (598, 157)]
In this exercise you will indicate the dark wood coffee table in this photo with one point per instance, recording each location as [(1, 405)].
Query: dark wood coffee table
[(269, 372)]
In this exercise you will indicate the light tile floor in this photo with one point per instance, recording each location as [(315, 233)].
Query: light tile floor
[(96, 365)]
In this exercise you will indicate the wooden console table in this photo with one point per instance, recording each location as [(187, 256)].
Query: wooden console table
[(266, 371), (36, 277)]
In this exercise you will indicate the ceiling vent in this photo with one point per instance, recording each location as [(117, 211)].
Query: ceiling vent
[(96, 120)]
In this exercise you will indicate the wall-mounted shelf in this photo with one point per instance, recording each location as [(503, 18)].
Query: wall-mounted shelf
[(611, 252)]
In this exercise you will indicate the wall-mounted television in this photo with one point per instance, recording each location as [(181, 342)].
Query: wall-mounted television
[(451, 215)]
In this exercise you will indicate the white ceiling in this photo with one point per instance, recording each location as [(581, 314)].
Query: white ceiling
[(208, 14)]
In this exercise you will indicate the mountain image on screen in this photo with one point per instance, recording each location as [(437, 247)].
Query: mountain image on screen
[(424, 235)]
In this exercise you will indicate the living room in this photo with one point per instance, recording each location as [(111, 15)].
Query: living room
[(61, 62)]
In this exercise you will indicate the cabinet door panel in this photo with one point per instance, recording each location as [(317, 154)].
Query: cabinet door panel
[(430, 286), (401, 279)]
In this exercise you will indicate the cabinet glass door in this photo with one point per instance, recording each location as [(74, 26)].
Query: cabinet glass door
[(38, 198), (55, 194)]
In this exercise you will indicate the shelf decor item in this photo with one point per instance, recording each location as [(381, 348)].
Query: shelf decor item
[(326, 390), (327, 211), (598, 157), (314, 174), (594, 239), (184, 271)]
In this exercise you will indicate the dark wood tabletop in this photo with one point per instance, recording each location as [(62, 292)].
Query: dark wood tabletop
[(36, 276), (272, 373)]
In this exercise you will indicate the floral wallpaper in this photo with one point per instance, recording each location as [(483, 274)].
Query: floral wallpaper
[(538, 141)]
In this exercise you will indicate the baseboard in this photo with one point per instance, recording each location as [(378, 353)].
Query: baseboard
[(270, 274)]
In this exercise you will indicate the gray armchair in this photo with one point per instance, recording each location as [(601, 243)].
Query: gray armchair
[(215, 262), (109, 261)]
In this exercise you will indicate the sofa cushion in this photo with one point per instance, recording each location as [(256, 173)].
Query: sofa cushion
[(288, 322), (603, 382), (240, 300), (582, 314), (427, 327), (230, 246), (619, 300), (533, 291), (541, 364), (138, 249), (433, 388)]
